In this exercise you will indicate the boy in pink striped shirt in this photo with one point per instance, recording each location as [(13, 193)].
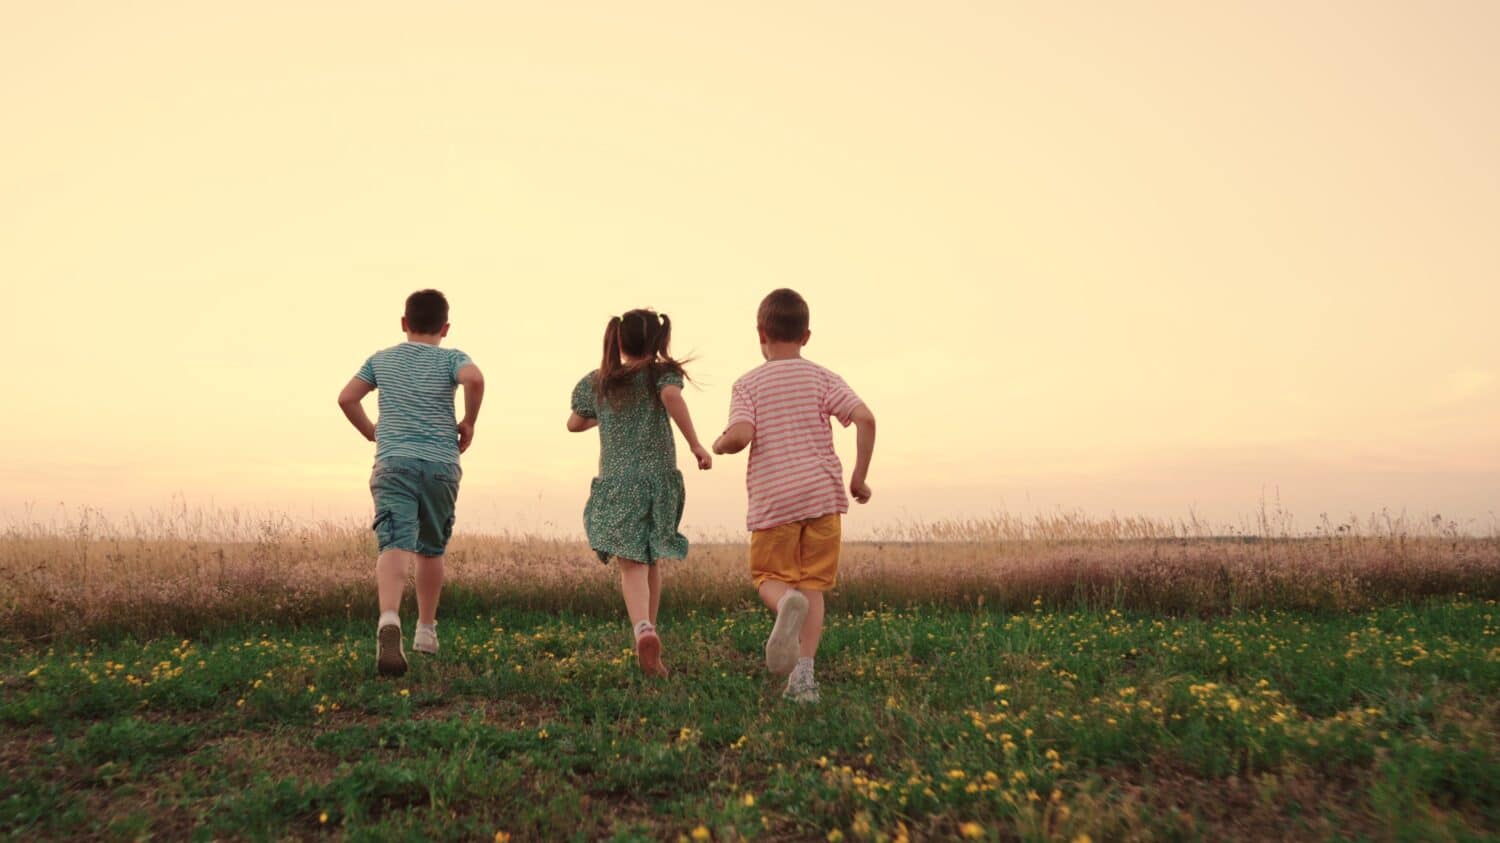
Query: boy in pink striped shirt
[(795, 481)]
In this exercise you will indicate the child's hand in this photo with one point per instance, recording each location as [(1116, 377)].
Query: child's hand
[(465, 435), (705, 459), (859, 489)]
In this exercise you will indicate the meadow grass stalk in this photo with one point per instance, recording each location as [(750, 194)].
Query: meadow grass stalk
[(181, 572)]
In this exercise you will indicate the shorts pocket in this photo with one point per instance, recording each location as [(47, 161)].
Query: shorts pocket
[(384, 527)]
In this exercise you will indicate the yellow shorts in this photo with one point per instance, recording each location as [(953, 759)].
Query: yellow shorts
[(804, 554)]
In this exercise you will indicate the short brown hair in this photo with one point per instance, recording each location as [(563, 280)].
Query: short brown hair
[(783, 316), (426, 312)]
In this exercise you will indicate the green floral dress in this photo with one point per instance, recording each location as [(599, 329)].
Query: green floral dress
[(636, 502)]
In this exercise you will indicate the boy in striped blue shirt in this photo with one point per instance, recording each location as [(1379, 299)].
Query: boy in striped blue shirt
[(416, 474)]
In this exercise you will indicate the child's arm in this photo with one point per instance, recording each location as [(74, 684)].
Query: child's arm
[(349, 401), (864, 423), (677, 408), (585, 415), (735, 439), (741, 429), (472, 380)]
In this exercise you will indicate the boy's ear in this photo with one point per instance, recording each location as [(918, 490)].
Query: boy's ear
[(806, 335), (404, 329), (444, 332), (762, 332)]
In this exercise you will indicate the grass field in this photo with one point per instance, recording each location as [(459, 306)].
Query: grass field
[(207, 675), (184, 572), (936, 723)]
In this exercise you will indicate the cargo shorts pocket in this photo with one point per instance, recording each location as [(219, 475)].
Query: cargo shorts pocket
[(385, 528)]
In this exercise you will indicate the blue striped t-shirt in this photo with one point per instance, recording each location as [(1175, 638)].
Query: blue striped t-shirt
[(416, 383)]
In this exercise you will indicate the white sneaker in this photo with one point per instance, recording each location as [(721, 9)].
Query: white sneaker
[(801, 687), (425, 640), (782, 647), (390, 659)]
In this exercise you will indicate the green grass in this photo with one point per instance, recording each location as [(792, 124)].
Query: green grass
[(934, 722)]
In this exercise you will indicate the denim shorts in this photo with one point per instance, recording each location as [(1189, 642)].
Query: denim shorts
[(414, 504)]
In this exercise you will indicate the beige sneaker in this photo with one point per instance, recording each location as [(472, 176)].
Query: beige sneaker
[(802, 688), (390, 659), (425, 640), (782, 647)]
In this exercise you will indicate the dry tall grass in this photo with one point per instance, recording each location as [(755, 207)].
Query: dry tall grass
[(176, 574)]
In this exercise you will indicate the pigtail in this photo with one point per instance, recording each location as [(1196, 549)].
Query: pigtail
[(664, 338), (664, 361), (610, 365)]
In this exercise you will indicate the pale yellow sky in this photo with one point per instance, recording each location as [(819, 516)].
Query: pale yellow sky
[(1142, 259)]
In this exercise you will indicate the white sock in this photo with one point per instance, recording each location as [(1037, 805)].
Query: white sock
[(805, 666), (428, 627), (389, 617), (642, 627)]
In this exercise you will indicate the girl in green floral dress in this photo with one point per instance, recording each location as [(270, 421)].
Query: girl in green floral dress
[(636, 501)]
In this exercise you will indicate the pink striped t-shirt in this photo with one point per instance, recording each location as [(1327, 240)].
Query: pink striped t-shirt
[(794, 473)]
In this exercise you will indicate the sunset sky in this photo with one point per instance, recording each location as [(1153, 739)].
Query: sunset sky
[(1151, 258)]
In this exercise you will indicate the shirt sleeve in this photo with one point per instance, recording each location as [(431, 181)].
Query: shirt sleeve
[(366, 372), (668, 379), (839, 401), (459, 360), (741, 406), (583, 398)]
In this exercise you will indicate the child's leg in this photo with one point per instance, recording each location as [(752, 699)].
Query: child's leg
[(429, 587), (635, 586), (812, 627), (653, 580), (790, 606), (390, 581), (390, 578), (801, 686), (771, 592), (775, 558), (820, 542)]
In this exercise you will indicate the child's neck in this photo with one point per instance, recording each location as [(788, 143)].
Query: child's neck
[(425, 339), (783, 351)]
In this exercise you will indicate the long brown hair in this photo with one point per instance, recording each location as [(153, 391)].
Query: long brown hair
[(642, 334)]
